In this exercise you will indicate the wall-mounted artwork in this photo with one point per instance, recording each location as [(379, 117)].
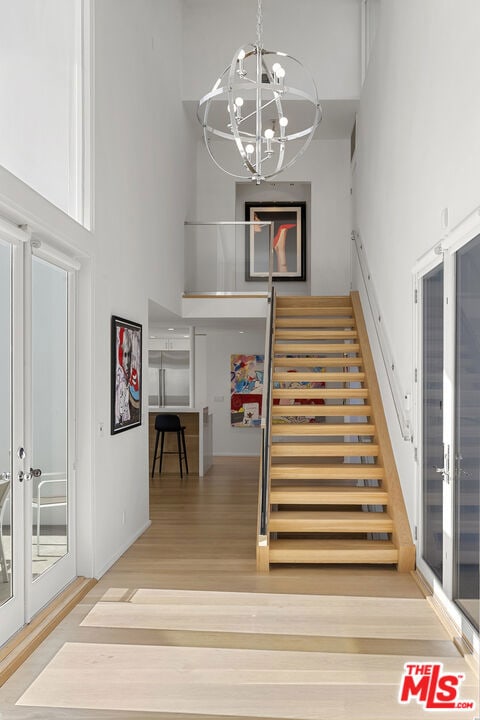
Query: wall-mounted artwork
[(246, 389), (309, 402), (289, 242), (126, 375)]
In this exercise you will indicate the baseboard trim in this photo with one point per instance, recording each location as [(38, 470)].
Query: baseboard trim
[(25, 641), (133, 538)]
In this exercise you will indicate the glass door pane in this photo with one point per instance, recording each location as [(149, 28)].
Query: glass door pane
[(432, 413), (6, 470), (49, 415), (467, 431)]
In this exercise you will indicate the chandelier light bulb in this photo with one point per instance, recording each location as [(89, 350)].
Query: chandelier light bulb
[(250, 149), (276, 66), (283, 121), (241, 68), (269, 133), (239, 102)]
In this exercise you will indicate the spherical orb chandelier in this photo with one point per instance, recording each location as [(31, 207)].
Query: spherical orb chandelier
[(257, 105)]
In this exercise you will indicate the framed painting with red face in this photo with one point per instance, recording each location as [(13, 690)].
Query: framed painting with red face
[(126, 375)]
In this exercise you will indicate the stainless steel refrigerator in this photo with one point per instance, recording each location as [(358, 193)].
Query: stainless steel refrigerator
[(168, 378)]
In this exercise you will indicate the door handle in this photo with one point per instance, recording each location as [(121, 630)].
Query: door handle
[(33, 472)]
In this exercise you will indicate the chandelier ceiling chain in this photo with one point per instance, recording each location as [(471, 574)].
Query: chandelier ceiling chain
[(259, 24), (252, 104)]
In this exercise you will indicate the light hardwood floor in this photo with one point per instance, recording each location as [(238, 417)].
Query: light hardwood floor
[(183, 626)]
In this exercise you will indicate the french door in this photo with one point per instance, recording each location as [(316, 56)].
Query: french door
[(37, 554), (449, 424)]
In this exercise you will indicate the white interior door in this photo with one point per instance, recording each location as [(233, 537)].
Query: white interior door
[(49, 387), (37, 553)]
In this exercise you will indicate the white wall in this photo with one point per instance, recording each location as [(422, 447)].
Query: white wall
[(221, 344), (326, 167), (141, 180), (323, 34), (37, 85), (418, 152), (142, 188)]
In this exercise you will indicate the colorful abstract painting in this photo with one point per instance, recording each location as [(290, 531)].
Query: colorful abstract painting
[(246, 390), (299, 401)]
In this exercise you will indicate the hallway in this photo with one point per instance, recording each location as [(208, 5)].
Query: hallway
[(183, 625)]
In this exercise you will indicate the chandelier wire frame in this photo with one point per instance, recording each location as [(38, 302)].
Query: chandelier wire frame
[(261, 141)]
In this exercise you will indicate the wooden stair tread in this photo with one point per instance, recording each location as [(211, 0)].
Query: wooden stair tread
[(310, 348), (320, 393), (316, 322), (315, 334), (329, 521), (332, 551), (321, 410), (341, 471), (323, 301), (345, 377), (324, 449), (318, 311), (322, 429), (314, 495), (326, 362)]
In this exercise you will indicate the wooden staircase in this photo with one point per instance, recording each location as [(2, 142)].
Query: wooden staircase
[(334, 495)]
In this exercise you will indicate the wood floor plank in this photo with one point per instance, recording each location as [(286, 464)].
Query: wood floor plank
[(267, 613), (216, 681)]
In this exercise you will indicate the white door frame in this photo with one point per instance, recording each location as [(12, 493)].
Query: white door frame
[(12, 611), (455, 239)]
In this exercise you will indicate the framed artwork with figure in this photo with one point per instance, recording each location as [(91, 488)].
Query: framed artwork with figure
[(289, 240), (126, 375)]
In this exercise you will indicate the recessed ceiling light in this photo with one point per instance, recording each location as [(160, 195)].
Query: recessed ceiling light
[(171, 328), (242, 332), (186, 336), (153, 337)]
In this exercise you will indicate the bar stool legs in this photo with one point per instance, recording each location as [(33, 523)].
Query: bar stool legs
[(170, 423)]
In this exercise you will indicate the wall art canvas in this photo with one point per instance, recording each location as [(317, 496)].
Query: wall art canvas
[(246, 390), (289, 241), (126, 375), (289, 402)]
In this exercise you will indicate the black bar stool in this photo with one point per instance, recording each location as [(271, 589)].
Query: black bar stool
[(170, 423)]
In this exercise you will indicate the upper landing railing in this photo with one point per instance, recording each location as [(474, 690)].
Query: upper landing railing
[(221, 257)]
